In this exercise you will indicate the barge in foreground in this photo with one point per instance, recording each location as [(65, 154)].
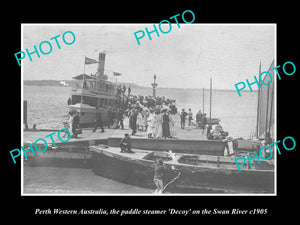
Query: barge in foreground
[(198, 173)]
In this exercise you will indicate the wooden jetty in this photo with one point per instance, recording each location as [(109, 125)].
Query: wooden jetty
[(74, 153), (188, 140)]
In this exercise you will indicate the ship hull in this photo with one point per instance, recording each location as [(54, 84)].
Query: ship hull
[(88, 114), (192, 179)]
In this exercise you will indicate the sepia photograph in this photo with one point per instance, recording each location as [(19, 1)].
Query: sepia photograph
[(131, 109)]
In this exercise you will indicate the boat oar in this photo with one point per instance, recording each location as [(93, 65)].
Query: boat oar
[(175, 178)]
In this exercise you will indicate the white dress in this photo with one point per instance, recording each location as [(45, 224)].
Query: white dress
[(171, 125), (151, 123), (140, 121), (158, 126)]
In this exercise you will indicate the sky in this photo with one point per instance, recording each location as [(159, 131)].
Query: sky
[(186, 57)]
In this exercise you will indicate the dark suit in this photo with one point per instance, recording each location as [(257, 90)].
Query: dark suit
[(125, 144), (132, 122), (165, 126), (182, 119), (98, 122), (120, 119), (75, 124), (111, 116)]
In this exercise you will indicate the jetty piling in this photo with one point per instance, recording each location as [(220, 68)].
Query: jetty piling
[(25, 114)]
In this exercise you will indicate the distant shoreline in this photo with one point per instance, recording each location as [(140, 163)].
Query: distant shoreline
[(68, 83), (63, 83)]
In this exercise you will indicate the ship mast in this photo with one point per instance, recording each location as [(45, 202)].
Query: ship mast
[(257, 114), (210, 100), (83, 81), (203, 101)]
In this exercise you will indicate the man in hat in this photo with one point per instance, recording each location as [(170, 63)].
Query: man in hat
[(125, 144), (165, 124), (133, 120), (75, 124), (120, 118), (183, 115), (111, 116), (199, 117), (98, 121), (203, 122)]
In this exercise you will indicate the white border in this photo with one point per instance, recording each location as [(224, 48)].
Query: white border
[(151, 195)]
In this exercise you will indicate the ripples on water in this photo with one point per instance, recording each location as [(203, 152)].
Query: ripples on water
[(53, 180)]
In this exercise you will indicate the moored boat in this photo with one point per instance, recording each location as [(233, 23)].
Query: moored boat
[(93, 91), (196, 173), (242, 145), (264, 132), (213, 121)]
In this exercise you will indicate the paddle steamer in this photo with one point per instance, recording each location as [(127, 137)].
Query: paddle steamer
[(91, 91)]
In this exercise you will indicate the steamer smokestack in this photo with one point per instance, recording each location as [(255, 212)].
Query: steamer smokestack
[(101, 64)]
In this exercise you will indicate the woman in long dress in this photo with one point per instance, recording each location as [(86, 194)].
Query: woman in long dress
[(151, 124), (140, 121), (158, 125), (165, 125), (171, 125), (70, 120), (146, 116)]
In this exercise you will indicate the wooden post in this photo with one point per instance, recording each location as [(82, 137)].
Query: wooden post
[(83, 81), (210, 99), (203, 101), (258, 108), (25, 114)]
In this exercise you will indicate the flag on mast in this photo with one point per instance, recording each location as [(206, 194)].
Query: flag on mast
[(117, 74), (89, 61)]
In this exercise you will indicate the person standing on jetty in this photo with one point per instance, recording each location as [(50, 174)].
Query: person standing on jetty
[(120, 118), (158, 125), (132, 121), (98, 121), (165, 124), (199, 117), (110, 115), (171, 126), (183, 115), (129, 90), (190, 116), (75, 123), (203, 122), (151, 124)]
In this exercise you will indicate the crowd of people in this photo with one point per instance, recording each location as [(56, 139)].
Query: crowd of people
[(125, 102), (154, 115), (145, 113), (157, 121)]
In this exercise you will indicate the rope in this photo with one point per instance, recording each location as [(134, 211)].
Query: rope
[(175, 178)]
